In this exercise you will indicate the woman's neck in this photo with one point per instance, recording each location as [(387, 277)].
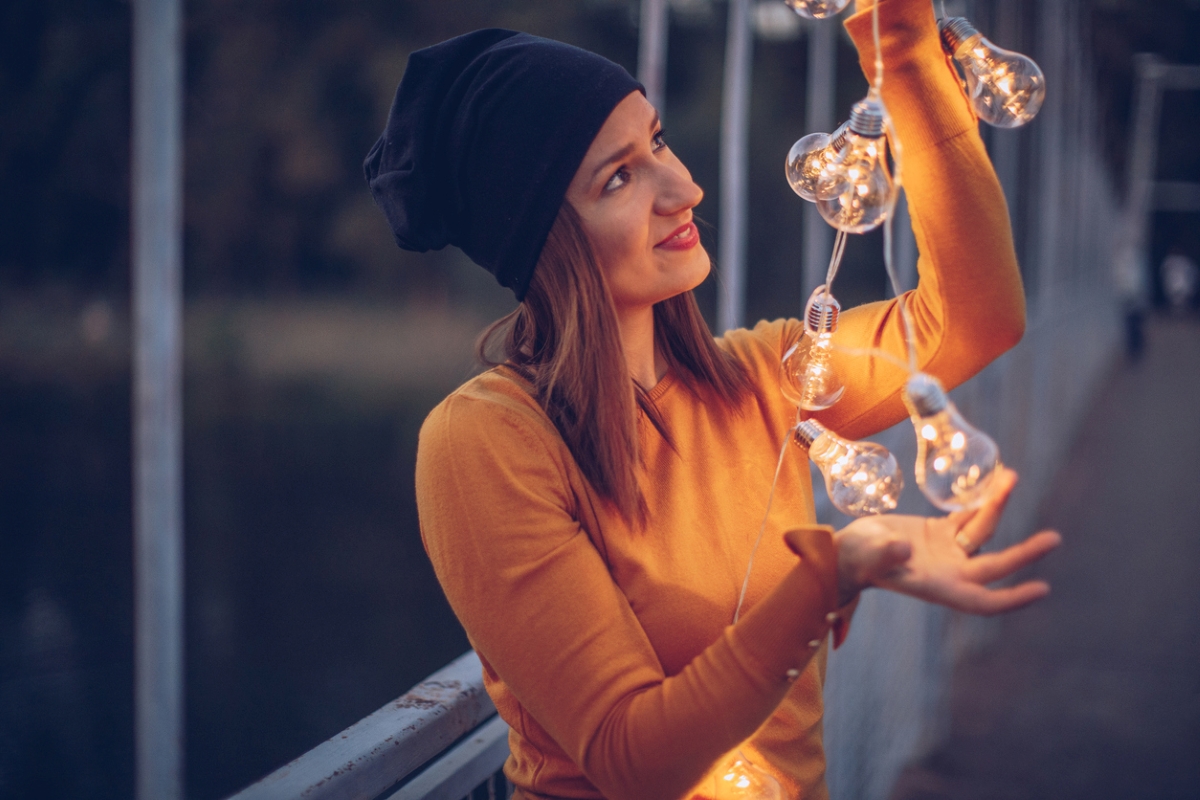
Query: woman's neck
[(646, 364)]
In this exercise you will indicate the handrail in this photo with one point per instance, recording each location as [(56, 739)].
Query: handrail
[(377, 752), (467, 765)]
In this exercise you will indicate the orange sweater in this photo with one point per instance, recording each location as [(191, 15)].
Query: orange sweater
[(610, 651)]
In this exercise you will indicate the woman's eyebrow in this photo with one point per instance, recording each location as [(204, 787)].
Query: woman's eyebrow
[(617, 156), (624, 151)]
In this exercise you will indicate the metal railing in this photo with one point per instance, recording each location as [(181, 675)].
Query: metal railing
[(442, 740)]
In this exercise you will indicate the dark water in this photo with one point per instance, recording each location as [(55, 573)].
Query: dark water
[(309, 600), (65, 595)]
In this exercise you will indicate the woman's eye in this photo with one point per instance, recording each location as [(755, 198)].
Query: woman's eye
[(659, 140), (619, 179)]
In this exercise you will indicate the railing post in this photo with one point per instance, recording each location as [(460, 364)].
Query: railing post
[(735, 123), (1143, 154), (157, 202), (652, 51)]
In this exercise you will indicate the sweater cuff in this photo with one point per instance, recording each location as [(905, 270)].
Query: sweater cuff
[(841, 625), (786, 628), (921, 88)]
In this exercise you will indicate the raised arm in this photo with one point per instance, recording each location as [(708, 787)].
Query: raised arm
[(969, 306), (498, 504)]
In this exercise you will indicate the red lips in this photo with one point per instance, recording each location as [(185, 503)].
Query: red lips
[(685, 237)]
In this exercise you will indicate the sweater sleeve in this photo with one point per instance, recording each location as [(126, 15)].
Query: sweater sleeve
[(969, 306), (498, 518)]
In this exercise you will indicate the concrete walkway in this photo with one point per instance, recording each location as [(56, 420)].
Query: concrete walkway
[(1095, 692)]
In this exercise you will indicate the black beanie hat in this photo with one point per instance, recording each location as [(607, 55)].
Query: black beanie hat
[(484, 136)]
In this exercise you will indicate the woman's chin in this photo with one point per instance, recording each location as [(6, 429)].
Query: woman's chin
[(687, 281), (700, 269)]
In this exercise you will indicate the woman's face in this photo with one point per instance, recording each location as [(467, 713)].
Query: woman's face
[(636, 199)]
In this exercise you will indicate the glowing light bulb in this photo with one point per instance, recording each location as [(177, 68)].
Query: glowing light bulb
[(739, 779), (807, 376), (1006, 88), (810, 158), (855, 192), (861, 477), (955, 462), (817, 9)]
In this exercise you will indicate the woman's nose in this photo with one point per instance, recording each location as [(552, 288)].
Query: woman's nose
[(677, 191)]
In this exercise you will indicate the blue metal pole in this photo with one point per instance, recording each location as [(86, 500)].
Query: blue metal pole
[(157, 202), (735, 124), (652, 51)]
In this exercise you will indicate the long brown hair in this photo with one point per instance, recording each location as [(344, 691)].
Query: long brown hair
[(564, 338)]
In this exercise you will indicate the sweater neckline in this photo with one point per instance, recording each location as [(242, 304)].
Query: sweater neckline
[(663, 386)]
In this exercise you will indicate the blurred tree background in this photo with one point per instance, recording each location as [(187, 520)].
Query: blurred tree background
[(314, 348)]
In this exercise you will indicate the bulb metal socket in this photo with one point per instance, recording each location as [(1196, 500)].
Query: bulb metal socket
[(926, 395), (955, 31), (866, 118), (837, 139), (807, 432), (822, 313)]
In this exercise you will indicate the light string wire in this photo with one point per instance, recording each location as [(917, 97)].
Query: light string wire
[(889, 248), (835, 260), (762, 528), (877, 86)]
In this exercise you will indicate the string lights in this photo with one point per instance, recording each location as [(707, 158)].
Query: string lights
[(739, 779), (955, 462), (1006, 88), (848, 175), (808, 376), (811, 157), (817, 9), (855, 191), (861, 477)]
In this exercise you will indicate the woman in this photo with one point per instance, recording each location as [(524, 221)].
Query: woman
[(590, 503)]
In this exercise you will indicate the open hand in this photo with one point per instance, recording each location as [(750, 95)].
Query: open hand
[(932, 558)]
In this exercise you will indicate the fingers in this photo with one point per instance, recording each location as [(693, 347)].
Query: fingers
[(964, 541), (994, 566), (979, 527), (975, 599), (960, 518)]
